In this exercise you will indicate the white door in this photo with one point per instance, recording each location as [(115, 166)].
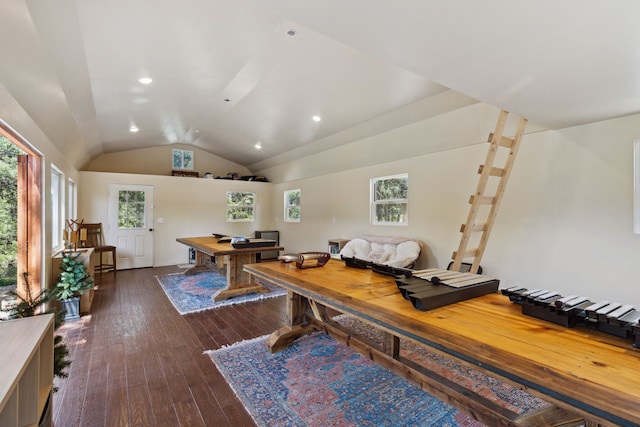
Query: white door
[(130, 226)]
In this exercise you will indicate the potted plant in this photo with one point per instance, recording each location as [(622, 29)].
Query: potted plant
[(73, 281)]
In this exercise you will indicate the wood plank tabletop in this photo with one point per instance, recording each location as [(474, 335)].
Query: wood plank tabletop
[(583, 368), (211, 246)]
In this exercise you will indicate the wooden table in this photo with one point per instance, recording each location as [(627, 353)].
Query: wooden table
[(580, 371), (239, 282)]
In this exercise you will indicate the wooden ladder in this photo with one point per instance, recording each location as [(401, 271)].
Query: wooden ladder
[(480, 201)]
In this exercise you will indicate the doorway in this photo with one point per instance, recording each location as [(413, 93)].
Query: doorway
[(130, 224)]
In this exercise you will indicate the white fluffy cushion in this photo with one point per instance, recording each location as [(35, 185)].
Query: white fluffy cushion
[(393, 251), (406, 253), (358, 248)]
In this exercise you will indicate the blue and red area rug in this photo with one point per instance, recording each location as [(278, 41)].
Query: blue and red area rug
[(192, 293), (501, 393), (321, 382)]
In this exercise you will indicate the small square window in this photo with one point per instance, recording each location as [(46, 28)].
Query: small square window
[(240, 206), (389, 202), (182, 159)]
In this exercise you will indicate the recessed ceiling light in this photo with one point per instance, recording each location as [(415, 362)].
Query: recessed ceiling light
[(258, 145), (145, 80), (291, 33), (316, 118), (133, 128)]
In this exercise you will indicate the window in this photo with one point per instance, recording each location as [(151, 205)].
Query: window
[(9, 155), (29, 210), (72, 202), (131, 209), (182, 159), (240, 206), (292, 206), (389, 203), (636, 186), (57, 208)]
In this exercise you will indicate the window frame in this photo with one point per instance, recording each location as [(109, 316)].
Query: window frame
[(636, 186), (252, 207), (139, 211), (57, 208), (31, 213), (288, 206), (72, 199), (374, 203), (182, 159)]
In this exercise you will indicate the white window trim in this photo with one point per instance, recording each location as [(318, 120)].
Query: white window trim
[(57, 209), (253, 207), (181, 165), (72, 199), (144, 215), (636, 186), (374, 203), (287, 206)]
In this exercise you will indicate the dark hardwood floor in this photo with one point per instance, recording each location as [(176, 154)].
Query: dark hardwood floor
[(137, 362)]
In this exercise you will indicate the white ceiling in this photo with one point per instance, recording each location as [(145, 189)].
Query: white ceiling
[(227, 75)]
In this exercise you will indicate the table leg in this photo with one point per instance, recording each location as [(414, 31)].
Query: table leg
[(390, 344), (297, 325), (239, 282), (202, 263), (196, 269)]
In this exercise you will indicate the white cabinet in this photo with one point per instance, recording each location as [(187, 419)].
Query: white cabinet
[(26, 360)]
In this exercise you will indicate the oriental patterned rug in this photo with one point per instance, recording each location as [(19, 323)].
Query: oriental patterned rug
[(321, 382), (503, 394), (192, 293)]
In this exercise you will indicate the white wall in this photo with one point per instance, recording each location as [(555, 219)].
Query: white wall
[(21, 123), (566, 221), (460, 127), (32, 105), (189, 207), (158, 161)]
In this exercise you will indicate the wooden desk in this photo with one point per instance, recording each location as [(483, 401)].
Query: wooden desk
[(238, 281), (584, 372)]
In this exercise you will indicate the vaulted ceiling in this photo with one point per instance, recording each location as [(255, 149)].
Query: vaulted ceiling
[(230, 74)]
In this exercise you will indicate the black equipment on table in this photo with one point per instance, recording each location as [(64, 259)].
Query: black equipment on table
[(252, 243), (387, 270), (573, 310), (432, 288)]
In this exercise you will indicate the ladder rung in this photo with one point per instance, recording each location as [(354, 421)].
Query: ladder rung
[(482, 200), (469, 253), (505, 141), (474, 228), (494, 171)]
